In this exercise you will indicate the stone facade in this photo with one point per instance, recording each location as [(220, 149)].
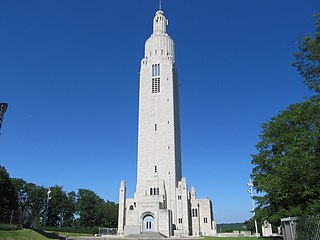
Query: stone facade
[(162, 202)]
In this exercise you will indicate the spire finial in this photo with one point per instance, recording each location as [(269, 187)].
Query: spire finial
[(160, 5)]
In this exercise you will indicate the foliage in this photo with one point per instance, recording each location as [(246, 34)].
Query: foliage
[(84, 211), (9, 227), (31, 202), (287, 167), (8, 195), (94, 211), (61, 207), (308, 59), (230, 227)]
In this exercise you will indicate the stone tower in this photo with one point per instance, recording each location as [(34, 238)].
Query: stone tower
[(162, 203)]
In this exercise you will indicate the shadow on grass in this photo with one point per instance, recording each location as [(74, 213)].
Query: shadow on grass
[(50, 235)]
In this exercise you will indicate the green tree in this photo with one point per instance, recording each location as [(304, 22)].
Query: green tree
[(88, 206), (8, 194), (107, 214), (287, 166), (60, 209), (69, 216), (36, 204), (308, 59)]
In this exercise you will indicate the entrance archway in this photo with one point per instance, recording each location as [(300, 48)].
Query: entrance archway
[(148, 223)]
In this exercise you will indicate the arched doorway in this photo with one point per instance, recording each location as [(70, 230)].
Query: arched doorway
[(148, 223)]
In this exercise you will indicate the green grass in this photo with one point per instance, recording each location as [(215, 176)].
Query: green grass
[(24, 234), (73, 234), (230, 238), (239, 238)]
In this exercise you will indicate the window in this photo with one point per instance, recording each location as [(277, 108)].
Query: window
[(155, 70), (151, 191), (179, 197), (155, 85), (155, 127), (155, 191), (205, 220), (131, 207), (194, 212), (180, 220), (155, 169)]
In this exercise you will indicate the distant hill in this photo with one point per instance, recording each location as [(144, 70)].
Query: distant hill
[(230, 227)]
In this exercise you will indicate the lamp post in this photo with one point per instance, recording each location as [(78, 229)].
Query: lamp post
[(250, 191), (47, 205), (3, 109)]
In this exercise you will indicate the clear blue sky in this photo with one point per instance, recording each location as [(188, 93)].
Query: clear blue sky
[(69, 71)]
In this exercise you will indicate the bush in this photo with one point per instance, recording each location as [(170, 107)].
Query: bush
[(9, 227), (93, 230)]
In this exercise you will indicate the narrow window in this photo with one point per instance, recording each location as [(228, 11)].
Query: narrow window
[(193, 215), (155, 85), (158, 191), (155, 169), (151, 191), (155, 52), (131, 207), (158, 69), (152, 70), (161, 51), (180, 220), (155, 127), (196, 213), (205, 220), (179, 197)]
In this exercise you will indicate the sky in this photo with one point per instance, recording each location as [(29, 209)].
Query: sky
[(69, 71)]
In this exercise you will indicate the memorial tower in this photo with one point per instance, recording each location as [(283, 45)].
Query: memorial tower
[(162, 203)]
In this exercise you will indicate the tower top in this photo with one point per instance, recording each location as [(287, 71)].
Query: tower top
[(160, 23), (160, 5)]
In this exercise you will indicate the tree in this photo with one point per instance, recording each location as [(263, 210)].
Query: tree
[(87, 205), (287, 167), (61, 208), (308, 59), (8, 195)]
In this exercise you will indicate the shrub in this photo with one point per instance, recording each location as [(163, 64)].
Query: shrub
[(9, 227)]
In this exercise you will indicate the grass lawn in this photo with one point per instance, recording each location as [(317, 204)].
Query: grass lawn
[(229, 238), (73, 234), (239, 238), (24, 234)]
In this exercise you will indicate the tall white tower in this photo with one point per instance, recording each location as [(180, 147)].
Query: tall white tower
[(159, 150), (162, 203)]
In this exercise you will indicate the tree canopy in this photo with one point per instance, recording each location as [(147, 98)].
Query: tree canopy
[(84, 209), (287, 165), (8, 195), (308, 59)]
